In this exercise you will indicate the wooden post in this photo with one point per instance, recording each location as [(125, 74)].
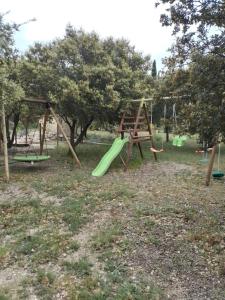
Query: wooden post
[(0, 135), (57, 136), (150, 131), (40, 133), (26, 133), (210, 167), (16, 137), (66, 138), (6, 159), (43, 132)]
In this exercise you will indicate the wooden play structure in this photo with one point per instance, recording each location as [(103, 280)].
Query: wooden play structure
[(135, 122), (134, 129), (38, 157)]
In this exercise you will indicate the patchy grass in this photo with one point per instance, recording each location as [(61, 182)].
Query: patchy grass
[(154, 232), (81, 268), (107, 237)]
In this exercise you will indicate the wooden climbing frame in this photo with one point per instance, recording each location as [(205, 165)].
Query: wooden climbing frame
[(135, 122)]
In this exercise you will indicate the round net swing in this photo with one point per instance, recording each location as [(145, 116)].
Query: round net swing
[(32, 157)]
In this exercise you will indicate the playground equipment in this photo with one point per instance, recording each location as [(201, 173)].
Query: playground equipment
[(218, 174), (154, 150), (29, 157), (178, 140), (108, 158), (40, 157), (204, 150), (48, 110), (135, 124)]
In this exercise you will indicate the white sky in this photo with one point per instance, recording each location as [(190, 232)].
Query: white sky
[(135, 20)]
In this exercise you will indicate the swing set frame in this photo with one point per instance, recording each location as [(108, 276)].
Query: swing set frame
[(49, 111)]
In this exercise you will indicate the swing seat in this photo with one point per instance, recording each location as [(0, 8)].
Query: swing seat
[(199, 151), (21, 145), (31, 158), (217, 174), (156, 150), (179, 140)]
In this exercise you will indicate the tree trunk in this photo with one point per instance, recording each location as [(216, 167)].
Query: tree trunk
[(7, 129), (1, 136), (72, 133), (167, 130), (15, 124), (10, 139), (83, 132)]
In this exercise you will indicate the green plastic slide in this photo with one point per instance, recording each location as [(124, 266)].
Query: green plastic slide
[(110, 155)]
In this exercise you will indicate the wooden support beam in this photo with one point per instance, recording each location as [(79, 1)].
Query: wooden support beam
[(36, 100), (64, 134), (6, 159), (150, 131), (57, 136), (123, 162), (43, 132), (26, 133), (210, 167), (40, 135)]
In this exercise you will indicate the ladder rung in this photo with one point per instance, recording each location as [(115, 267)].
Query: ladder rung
[(141, 140), (141, 117), (141, 136), (129, 130), (133, 123)]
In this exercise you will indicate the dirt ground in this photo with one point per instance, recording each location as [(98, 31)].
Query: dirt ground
[(157, 228)]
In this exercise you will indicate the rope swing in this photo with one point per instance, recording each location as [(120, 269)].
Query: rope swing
[(218, 174), (164, 120), (178, 140)]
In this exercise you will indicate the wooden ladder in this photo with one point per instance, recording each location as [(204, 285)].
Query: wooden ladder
[(134, 122)]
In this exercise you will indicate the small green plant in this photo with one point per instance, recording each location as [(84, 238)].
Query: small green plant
[(4, 252), (74, 245), (42, 247), (46, 278), (105, 238), (80, 268)]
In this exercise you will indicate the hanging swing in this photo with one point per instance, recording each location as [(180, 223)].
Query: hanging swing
[(204, 151), (153, 149), (32, 158), (178, 140), (218, 174)]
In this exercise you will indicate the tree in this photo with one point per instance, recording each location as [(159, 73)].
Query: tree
[(154, 69), (10, 89), (197, 64), (198, 25), (86, 76)]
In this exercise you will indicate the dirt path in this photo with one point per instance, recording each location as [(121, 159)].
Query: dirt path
[(84, 237)]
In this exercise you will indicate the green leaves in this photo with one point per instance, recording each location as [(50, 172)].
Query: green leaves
[(85, 75)]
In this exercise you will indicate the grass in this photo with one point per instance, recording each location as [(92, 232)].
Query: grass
[(106, 238), (80, 268), (153, 227)]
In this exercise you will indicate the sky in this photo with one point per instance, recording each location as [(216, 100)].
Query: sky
[(134, 20)]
